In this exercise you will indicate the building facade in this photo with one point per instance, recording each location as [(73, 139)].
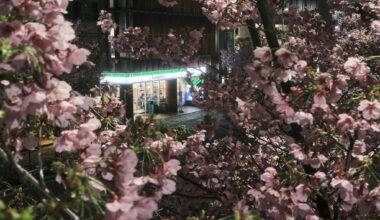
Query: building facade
[(149, 85)]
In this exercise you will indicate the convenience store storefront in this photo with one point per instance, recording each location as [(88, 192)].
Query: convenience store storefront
[(161, 91)]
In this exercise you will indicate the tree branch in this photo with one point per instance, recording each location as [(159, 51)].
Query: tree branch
[(255, 36), (348, 158), (28, 180), (41, 171), (266, 19), (198, 185), (324, 11)]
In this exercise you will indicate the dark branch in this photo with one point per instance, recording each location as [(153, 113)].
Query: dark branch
[(28, 180), (266, 19), (324, 11), (255, 36)]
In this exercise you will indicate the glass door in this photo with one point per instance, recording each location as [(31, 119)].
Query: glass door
[(139, 98)]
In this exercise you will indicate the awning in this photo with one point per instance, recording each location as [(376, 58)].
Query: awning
[(138, 77)]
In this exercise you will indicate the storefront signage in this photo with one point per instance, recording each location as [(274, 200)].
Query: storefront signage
[(130, 78)]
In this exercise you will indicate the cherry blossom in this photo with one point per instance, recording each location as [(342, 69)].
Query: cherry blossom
[(346, 193), (285, 57), (357, 68), (301, 140), (370, 110), (345, 123), (263, 53), (376, 27), (105, 21), (269, 177), (168, 3)]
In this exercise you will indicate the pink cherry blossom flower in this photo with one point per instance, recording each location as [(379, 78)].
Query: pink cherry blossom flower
[(168, 3), (91, 124), (63, 113), (78, 56), (312, 217), (83, 102), (242, 209), (269, 176), (61, 90), (171, 167), (38, 36), (358, 69), (285, 57), (297, 152), (168, 186), (320, 175), (61, 34), (320, 103), (98, 186), (285, 75), (249, 68), (65, 142), (370, 110), (117, 205), (140, 181), (303, 118), (14, 30), (300, 67), (107, 175), (301, 193), (264, 54), (345, 123), (105, 21), (12, 91), (142, 209), (341, 81), (346, 193), (35, 97), (93, 150), (358, 149), (376, 27), (219, 12), (316, 162), (126, 164)]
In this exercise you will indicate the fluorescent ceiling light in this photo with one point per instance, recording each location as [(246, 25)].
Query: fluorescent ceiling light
[(130, 78)]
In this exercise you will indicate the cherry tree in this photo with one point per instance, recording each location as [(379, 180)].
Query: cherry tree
[(102, 168), (304, 114), (302, 140)]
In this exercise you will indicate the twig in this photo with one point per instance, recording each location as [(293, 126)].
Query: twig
[(28, 180), (41, 171), (194, 196), (267, 20), (348, 158), (255, 162), (198, 185)]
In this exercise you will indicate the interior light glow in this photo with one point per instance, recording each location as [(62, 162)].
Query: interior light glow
[(131, 78)]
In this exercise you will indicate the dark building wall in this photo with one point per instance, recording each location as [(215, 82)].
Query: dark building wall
[(184, 17), (161, 23), (184, 7), (85, 13)]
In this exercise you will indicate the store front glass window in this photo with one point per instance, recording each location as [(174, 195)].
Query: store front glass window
[(148, 96)]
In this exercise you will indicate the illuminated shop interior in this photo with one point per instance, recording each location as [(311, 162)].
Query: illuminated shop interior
[(152, 92)]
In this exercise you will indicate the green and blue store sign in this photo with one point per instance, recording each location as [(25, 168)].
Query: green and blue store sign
[(115, 78)]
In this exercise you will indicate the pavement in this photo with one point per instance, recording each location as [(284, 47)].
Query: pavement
[(190, 116), (189, 120)]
